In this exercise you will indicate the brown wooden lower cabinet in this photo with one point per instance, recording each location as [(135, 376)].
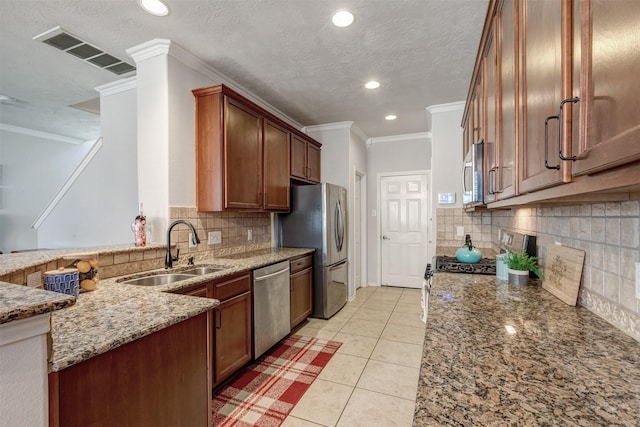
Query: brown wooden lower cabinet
[(232, 347), (157, 380), (301, 282), (230, 323)]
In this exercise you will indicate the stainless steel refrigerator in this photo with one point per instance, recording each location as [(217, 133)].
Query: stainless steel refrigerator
[(318, 220)]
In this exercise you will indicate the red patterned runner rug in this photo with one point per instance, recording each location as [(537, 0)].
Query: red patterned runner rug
[(266, 391)]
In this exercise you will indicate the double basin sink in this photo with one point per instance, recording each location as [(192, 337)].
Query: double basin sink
[(166, 278)]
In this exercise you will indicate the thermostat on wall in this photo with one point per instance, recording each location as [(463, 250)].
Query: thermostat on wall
[(446, 198)]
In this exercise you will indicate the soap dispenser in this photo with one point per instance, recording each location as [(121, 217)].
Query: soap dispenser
[(468, 253)]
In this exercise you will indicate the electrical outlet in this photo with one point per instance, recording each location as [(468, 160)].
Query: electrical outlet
[(191, 244), (215, 237), (637, 280), (34, 280), (249, 234), (460, 231)]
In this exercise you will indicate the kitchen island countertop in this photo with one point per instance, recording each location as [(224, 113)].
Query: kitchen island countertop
[(499, 354), (115, 313)]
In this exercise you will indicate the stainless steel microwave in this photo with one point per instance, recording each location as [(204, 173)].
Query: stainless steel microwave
[(473, 176)]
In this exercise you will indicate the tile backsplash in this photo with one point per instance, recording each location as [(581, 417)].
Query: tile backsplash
[(609, 233), (234, 227)]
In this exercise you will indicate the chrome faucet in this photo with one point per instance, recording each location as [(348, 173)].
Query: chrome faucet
[(168, 260)]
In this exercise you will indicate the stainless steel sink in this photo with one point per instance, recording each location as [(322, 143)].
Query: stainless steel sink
[(199, 271), (159, 279)]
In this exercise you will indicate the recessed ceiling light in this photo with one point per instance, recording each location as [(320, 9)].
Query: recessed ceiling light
[(342, 18), (391, 117), (372, 85), (154, 7)]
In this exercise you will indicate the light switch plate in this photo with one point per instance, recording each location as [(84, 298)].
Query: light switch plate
[(34, 280), (460, 231), (249, 234), (191, 244), (215, 237)]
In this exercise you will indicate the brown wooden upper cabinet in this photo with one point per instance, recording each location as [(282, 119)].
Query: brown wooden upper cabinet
[(242, 154), (559, 109), (305, 159), (606, 69)]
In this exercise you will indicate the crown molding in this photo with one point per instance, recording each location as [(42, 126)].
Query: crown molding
[(159, 47), (399, 138), (444, 108), (118, 86), (40, 134), (328, 126)]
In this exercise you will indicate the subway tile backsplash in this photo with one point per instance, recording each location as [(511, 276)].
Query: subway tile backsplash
[(609, 233)]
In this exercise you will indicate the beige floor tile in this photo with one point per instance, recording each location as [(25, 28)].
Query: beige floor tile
[(385, 296), (402, 333), (363, 327), (408, 307), (334, 324), (400, 353), (344, 369), (372, 315), (323, 402), (370, 409), (389, 378), (309, 331), (412, 298), (297, 422), (355, 345), (347, 311), (379, 304), (406, 319)]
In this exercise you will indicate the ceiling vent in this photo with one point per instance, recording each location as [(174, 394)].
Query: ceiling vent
[(66, 42)]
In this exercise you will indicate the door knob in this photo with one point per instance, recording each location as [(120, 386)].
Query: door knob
[(385, 238)]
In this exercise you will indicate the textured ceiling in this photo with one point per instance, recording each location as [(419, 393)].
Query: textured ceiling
[(284, 51)]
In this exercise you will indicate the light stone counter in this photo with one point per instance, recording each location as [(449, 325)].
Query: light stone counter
[(115, 313), (497, 354), (20, 302)]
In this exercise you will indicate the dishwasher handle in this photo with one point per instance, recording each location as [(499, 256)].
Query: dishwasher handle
[(266, 276)]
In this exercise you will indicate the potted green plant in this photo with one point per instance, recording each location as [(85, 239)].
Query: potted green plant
[(519, 265)]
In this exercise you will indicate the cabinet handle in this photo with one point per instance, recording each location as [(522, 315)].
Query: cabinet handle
[(565, 101), (219, 319), (546, 143), (266, 199), (492, 186)]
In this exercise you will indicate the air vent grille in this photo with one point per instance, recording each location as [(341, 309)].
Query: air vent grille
[(87, 52)]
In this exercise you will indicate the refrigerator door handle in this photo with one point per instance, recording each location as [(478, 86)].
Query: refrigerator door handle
[(339, 228)]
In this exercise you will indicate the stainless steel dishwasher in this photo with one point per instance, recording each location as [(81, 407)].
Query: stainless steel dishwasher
[(271, 310)]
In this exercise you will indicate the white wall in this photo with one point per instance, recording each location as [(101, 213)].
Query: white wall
[(446, 154), (390, 155), (101, 205), (33, 169), (344, 153)]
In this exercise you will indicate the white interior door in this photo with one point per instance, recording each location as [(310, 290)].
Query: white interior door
[(357, 241), (403, 229)]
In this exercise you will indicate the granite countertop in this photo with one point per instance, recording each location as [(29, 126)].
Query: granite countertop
[(115, 313), (499, 354), (21, 302)]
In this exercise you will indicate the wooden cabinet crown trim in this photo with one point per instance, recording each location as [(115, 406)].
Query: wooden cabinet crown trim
[(227, 91)]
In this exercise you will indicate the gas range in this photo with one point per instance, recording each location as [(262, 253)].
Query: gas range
[(452, 265)]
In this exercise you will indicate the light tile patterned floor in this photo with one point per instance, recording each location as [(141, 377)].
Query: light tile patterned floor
[(372, 380)]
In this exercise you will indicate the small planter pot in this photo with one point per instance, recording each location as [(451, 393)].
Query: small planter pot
[(518, 277)]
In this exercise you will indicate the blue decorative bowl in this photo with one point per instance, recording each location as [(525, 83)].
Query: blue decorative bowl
[(470, 256), (64, 281)]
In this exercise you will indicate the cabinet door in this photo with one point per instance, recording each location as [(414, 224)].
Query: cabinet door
[(242, 156), (301, 296), (276, 167), (232, 336), (541, 79), (607, 44), (490, 140), (313, 162), (507, 99), (298, 157)]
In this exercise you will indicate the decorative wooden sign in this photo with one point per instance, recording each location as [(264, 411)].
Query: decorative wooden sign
[(562, 272)]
